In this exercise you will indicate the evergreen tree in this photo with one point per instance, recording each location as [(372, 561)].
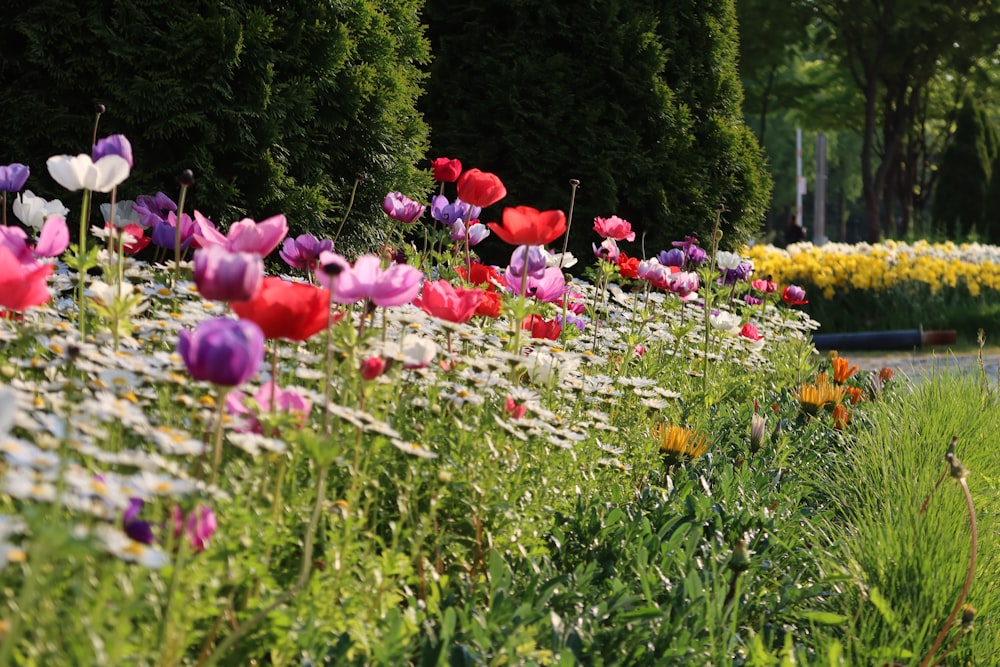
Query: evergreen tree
[(638, 100), (960, 196), (276, 106)]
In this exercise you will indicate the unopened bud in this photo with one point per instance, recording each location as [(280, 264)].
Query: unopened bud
[(99, 108), (968, 615), (757, 432), (740, 560), (575, 182), (186, 178)]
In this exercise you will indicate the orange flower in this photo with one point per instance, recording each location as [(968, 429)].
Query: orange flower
[(842, 370), (885, 374), (841, 415), (855, 393)]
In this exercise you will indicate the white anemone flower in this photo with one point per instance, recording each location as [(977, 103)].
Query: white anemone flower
[(124, 213), (726, 321), (81, 172), (728, 260), (34, 211)]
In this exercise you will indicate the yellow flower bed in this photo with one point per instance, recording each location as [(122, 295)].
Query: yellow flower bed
[(837, 267)]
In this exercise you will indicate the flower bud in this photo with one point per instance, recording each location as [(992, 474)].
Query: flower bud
[(186, 178)]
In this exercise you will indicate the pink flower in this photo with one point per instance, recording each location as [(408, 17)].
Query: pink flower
[(285, 401), (550, 288), (52, 241), (199, 526), (22, 286), (222, 275), (614, 228), (750, 331), (655, 273), (393, 286), (514, 409), (442, 300), (765, 286), (684, 284), (794, 295), (608, 250), (259, 238), (400, 207)]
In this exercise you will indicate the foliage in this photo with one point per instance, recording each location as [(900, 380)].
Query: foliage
[(639, 101), (275, 106), (960, 198)]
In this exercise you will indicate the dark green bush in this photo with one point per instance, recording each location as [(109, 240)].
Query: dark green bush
[(276, 106), (959, 198), (640, 101)]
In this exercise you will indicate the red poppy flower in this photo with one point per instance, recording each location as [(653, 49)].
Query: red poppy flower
[(490, 305), (523, 225), (285, 309), (480, 188), (628, 266), (446, 170), (541, 328), (481, 274)]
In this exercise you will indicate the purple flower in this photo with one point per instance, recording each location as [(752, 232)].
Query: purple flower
[(550, 288), (741, 273), (134, 527), (672, 257), (227, 276), (116, 144), (608, 250), (153, 208), (579, 322), (222, 351), (528, 259), (393, 286), (400, 207), (165, 231), (199, 526), (449, 214), (303, 251), (751, 300), (13, 176), (477, 232)]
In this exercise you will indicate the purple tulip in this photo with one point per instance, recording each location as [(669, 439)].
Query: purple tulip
[(449, 213), (13, 177), (227, 276), (303, 251), (672, 257), (165, 231), (222, 351), (153, 208), (116, 144), (400, 207), (137, 529), (528, 259)]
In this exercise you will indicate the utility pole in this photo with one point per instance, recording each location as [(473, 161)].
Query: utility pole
[(819, 214)]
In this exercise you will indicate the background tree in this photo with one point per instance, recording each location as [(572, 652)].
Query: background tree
[(893, 50), (276, 106), (960, 199), (638, 100)]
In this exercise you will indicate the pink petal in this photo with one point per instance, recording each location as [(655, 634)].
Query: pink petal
[(54, 238)]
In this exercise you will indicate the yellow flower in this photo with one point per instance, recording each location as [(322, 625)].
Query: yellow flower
[(678, 442)]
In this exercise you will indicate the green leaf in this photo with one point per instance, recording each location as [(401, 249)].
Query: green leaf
[(823, 617)]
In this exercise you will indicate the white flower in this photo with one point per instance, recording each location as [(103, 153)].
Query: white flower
[(124, 214), (544, 366), (8, 402), (728, 260), (34, 211), (726, 321), (81, 172), (415, 352), (554, 258)]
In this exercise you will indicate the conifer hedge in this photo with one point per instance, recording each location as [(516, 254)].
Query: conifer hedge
[(639, 100), (276, 106)]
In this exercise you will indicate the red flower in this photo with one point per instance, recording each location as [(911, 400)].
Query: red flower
[(523, 225), (284, 309), (480, 188), (22, 286), (750, 331), (490, 305), (628, 266), (372, 367), (454, 304), (541, 328), (446, 170), (481, 274)]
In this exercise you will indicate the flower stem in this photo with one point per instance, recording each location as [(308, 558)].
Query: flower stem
[(217, 439), (574, 184), (177, 235), (350, 205), (81, 259)]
